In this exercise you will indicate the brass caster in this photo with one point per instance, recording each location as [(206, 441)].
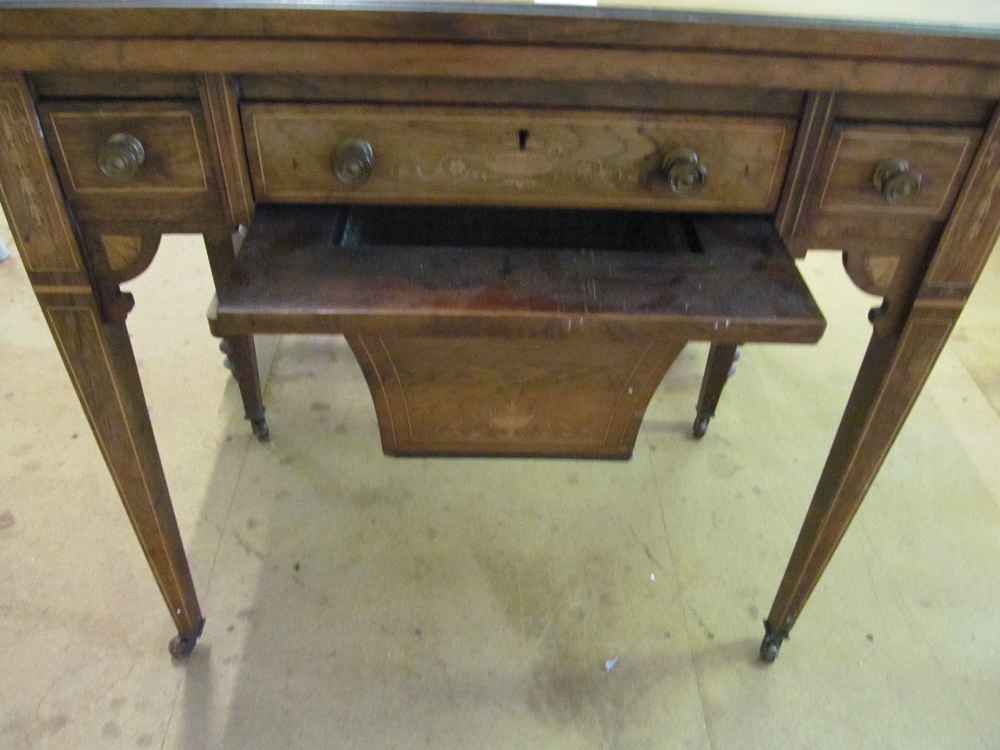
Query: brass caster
[(771, 644), (259, 425), (182, 645), (769, 650), (700, 426), (260, 429)]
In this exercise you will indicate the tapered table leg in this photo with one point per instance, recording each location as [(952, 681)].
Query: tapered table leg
[(99, 359), (717, 369), (894, 370)]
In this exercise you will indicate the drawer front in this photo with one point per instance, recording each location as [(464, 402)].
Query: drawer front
[(892, 171), (463, 156), (884, 191), (132, 160)]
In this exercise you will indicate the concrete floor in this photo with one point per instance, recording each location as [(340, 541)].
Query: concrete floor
[(356, 601)]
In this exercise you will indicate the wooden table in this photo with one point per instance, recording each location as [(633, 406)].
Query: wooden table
[(117, 125)]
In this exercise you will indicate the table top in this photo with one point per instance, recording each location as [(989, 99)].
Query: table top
[(846, 45), (963, 16)]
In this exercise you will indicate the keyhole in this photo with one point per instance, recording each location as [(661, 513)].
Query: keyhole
[(522, 138)]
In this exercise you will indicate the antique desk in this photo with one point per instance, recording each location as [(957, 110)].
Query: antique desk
[(516, 213)]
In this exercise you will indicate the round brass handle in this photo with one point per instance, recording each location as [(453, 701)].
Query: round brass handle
[(896, 182), (352, 161), (120, 157), (685, 174)]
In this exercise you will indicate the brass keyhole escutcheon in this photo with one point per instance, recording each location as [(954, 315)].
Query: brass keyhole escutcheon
[(120, 157), (685, 173), (897, 182), (352, 161)]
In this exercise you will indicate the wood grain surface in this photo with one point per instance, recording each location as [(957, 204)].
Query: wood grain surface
[(176, 181), (526, 157)]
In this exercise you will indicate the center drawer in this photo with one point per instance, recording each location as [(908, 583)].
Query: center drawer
[(511, 332), (323, 153)]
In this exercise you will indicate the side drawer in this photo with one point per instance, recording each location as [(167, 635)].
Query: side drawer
[(931, 162), (132, 160), (516, 157), (886, 189)]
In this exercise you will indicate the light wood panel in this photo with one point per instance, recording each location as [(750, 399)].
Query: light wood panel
[(176, 180), (515, 157)]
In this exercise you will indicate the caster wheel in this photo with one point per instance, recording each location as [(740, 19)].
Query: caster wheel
[(182, 645), (259, 425), (700, 427), (770, 647), (260, 429)]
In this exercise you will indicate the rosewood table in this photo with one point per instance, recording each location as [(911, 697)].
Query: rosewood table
[(422, 177)]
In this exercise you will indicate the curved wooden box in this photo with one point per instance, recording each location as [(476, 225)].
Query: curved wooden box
[(575, 397)]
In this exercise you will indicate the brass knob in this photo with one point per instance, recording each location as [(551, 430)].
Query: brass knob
[(352, 161), (120, 157), (684, 172), (896, 182)]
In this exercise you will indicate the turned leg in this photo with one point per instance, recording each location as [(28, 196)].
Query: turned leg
[(240, 350), (243, 355), (717, 369), (894, 370)]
